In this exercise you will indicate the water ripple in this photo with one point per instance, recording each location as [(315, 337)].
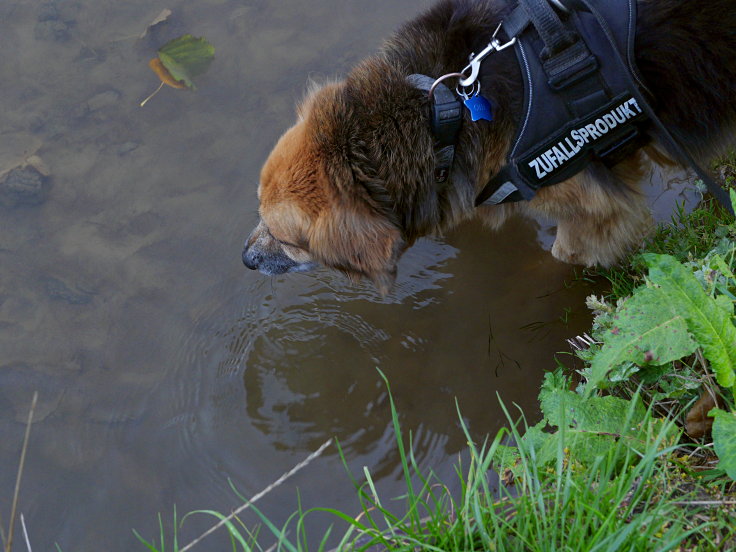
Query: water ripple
[(294, 366)]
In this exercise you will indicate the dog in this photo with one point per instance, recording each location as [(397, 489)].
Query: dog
[(350, 186)]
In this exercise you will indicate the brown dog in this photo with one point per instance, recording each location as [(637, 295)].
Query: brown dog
[(351, 186)]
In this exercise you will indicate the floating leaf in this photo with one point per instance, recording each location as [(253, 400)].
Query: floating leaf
[(179, 61), (164, 74), (186, 57)]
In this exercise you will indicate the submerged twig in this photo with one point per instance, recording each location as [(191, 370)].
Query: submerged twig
[(260, 495), (9, 543)]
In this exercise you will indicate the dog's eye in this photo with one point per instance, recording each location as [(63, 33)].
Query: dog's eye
[(284, 242), (301, 244)]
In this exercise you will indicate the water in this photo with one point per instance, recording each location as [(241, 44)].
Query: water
[(165, 368)]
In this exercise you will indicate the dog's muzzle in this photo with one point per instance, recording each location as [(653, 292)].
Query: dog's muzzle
[(272, 263), (269, 263), (252, 259)]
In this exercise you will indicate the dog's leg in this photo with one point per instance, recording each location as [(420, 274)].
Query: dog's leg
[(494, 216), (602, 238), (597, 224)]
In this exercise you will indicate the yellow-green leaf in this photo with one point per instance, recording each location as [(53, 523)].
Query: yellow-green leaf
[(163, 73), (186, 57)]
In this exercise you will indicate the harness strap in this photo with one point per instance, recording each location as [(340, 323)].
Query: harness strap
[(552, 31), (446, 119), (671, 143), (575, 76)]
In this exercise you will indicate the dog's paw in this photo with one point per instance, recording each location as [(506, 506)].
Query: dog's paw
[(576, 254), (562, 253), (600, 243)]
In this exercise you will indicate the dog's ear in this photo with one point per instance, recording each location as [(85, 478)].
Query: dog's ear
[(353, 238), (357, 231)]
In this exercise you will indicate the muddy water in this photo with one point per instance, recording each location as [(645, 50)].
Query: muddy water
[(164, 368)]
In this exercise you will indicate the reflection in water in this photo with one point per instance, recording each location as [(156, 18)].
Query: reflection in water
[(164, 367), (309, 369), (309, 366)]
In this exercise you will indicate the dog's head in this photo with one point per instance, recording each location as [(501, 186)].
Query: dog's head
[(322, 199)]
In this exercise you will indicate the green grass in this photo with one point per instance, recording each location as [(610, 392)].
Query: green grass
[(625, 500)]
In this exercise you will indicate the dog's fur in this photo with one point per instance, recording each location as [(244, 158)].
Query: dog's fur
[(350, 185)]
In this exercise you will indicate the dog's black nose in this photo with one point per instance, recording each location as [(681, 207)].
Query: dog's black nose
[(252, 259)]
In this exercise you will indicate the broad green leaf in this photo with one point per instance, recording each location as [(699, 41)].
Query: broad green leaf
[(542, 448), (581, 428), (609, 415), (506, 457), (533, 440), (725, 304), (186, 57), (582, 446), (590, 414), (535, 436), (724, 440), (721, 264), (706, 319), (646, 331)]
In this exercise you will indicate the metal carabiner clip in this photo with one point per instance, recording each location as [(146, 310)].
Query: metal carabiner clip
[(474, 65)]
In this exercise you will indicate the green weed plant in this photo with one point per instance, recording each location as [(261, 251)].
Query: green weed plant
[(681, 308)]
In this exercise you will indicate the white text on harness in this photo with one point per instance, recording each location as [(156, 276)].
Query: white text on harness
[(569, 146)]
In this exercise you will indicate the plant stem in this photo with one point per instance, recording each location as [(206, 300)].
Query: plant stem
[(160, 86), (9, 543)]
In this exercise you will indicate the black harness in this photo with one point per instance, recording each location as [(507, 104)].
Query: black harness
[(583, 98)]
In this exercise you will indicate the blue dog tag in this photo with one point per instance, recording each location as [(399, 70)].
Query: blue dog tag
[(480, 108)]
